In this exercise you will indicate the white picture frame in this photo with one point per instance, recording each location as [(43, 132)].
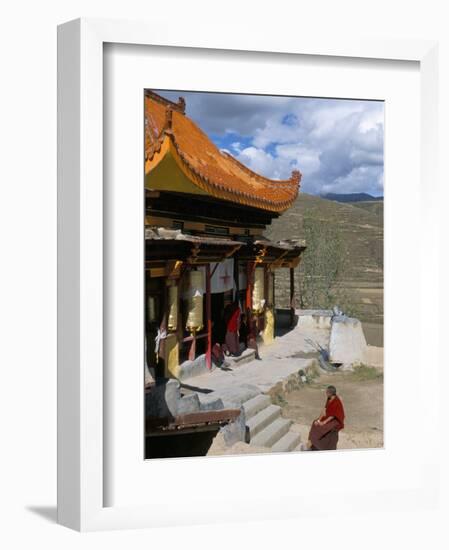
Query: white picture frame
[(81, 487)]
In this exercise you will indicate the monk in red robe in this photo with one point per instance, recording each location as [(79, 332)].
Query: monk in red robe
[(323, 435), (232, 327)]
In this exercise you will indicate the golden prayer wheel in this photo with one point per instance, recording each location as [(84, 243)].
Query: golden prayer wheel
[(172, 307), (259, 290), (151, 309), (195, 301)]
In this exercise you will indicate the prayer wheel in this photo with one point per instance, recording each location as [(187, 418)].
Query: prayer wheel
[(172, 307), (151, 309), (259, 290), (195, 301)]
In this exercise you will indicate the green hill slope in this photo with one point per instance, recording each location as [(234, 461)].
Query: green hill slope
[(361, 227)]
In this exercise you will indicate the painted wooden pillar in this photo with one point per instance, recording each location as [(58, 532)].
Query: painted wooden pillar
[(249, 285), (208, 319), (292, 296)]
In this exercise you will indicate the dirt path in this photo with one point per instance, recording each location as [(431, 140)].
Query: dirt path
[(362, 395)]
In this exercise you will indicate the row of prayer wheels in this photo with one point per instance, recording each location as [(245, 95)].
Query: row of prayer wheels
[(195, 286)]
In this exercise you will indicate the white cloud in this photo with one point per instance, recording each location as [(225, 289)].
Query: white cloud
[(336, 144), (305, 159)]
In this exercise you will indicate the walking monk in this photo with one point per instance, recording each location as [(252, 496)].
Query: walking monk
[(323, 435)]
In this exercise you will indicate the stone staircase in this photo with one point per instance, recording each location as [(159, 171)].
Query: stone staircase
[(266, 428)]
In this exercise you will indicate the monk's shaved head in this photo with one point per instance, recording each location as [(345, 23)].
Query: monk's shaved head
[(332, 390)]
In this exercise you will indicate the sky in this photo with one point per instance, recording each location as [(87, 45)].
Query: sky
[(336, 144)]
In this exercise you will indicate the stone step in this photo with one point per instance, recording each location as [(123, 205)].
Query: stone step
[(288, 442), (255, 405), (272, 433), (262, 419), (245, 357), (234, 396)]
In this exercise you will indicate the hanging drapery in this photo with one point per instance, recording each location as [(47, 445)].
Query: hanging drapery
[(222, 279)]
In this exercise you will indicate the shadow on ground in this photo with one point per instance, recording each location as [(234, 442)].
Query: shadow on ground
[(47, 512)]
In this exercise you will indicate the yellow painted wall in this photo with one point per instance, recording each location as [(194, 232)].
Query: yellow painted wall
[(168, 176)]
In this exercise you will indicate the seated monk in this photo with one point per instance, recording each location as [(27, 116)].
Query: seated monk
[(323, 435)]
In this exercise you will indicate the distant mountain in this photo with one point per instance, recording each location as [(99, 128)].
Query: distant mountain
[(350, 197)]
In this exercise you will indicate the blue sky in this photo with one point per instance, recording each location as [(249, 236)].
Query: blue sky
[(337, 144)]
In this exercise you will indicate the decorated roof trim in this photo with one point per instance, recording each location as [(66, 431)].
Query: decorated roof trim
[(286, 190), (294, 180)]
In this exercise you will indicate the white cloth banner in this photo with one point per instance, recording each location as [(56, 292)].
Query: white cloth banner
[(223, 277)]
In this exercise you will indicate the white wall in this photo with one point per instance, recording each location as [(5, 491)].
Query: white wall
[(28, 253)]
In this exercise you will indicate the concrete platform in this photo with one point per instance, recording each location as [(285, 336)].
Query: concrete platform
[(286, 356)]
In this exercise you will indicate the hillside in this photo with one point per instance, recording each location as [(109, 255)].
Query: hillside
[(375, 207), (361, 227)]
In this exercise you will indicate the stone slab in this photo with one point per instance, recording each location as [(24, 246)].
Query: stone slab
[(347, 343)]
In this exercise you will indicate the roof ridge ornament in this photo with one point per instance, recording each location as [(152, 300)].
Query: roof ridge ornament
[(180, 106), (296, 177)]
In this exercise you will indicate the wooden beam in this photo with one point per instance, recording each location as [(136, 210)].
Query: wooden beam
[(200, 227)]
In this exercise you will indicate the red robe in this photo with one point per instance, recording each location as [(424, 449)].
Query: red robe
[(233, 323), (334, 407), (325, 437)]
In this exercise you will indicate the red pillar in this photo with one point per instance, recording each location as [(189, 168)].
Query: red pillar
[(192, 349), (249, 285), (208, 320)]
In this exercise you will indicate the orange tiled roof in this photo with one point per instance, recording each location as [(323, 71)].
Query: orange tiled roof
[(215, 172)]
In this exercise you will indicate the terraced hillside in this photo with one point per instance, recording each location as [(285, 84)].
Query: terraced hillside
[(361, 227)]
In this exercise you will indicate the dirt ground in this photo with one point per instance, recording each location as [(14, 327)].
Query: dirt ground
[(362, 394)]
